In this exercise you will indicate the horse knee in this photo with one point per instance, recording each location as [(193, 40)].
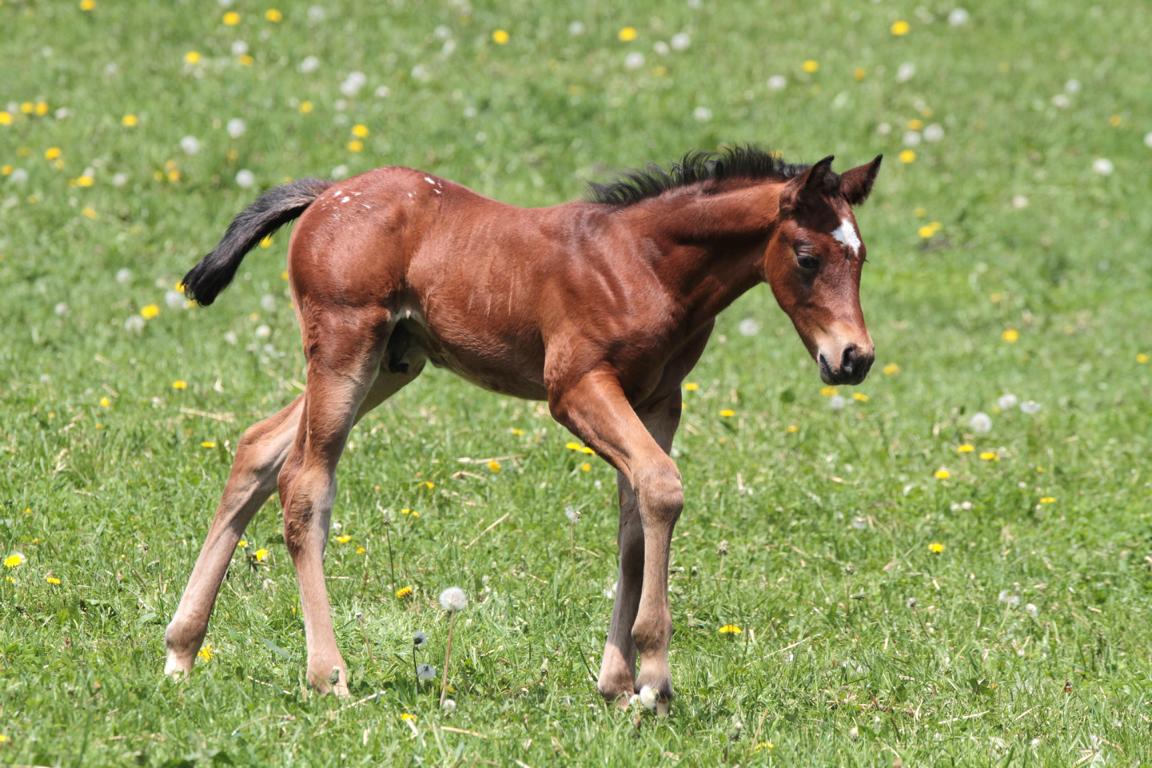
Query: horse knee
[(661, 494)]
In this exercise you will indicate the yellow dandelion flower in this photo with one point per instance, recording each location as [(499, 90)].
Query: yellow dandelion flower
[(284, 275), (41, 108), (179, 384), (231, 19), (361, 549), (14, 560), (192, 57), (105, 402), (129, 121), (403, 592), (989, 456), (500, 37), (1047, 499), (149, 311), (727, 413), (428, 485), (1010, 335), (586, 467), (5, 117), (810, 66), (891, 369), (27, 107), (408, 717), (516, 432), (305, 107), (899, 28), (260, 555), (860, 397), (941, 474), (926, 232), (494, 466), (344, 538), (242, 544), (626, 34), (792, 429), (965, 448), (1142, 358), (53, 580), (360, 131), (936, 547), (246, 59), (209, 444), (273, 15), (1115, 121), (266, 241), (859, 73), (355, 145), (87, 5), (206, 653), (730, 629), (84, 181), (691, 387), (907, 156), (52, 153), (572, 445), (6, 170), (88, 212), (828, 391)]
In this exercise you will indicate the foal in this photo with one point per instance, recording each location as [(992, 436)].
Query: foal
[(599, 307)]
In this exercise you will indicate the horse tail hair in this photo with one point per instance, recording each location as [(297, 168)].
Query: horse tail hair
[(272, 210)]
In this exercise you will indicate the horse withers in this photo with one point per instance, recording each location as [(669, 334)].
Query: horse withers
[(601, 307)]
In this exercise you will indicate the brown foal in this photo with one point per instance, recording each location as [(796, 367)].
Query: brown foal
[(600, 307)]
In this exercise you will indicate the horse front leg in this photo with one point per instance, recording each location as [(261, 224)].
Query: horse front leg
[(596, 410)]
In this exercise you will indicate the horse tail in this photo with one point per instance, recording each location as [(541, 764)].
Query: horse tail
[(272, 210)]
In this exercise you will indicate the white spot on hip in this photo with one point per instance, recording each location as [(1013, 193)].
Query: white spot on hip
[(430, 180), (846, 233), (345, 199)]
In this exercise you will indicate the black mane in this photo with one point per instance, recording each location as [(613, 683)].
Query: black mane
[(738, 162)]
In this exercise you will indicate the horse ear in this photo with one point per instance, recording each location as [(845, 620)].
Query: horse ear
[(807, 187), (857, 183)]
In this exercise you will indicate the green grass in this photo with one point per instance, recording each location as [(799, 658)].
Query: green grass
[(859, 645)]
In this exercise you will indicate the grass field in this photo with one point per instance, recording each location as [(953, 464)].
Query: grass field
[(899, 600)]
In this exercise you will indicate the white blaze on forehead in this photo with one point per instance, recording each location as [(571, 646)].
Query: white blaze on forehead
[(846, 233)]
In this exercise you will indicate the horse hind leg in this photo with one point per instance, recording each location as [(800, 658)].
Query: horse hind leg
[(259, 456)]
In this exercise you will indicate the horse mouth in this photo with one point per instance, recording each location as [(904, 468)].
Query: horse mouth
[(851, 375)]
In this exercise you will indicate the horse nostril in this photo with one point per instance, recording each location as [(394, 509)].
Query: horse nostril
[(849, 358)]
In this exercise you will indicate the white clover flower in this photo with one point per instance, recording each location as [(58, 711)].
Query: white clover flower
[(933, 132), (263, 332), (981, 423), (123, 275), (680, 41), (316, 14), (576, 28), (702, 114), (837, 402), (236, 127), (420, 73), (1072, 86), (339, 172), (425, 672), (1020, 201), (239, 48), (905, 72), (18, 176), (1103, 166), (134, 324), (1061, 101), (634, 60), (957, 17), (661, 47), (572, 514), (119, 179), (648, 697), (777, 83), (245, 179), (453, 599), (748, 327), (174, 299), (231, 337), (449, 705), (61, 309), (308, 65), (268, 302), (911, 138), (1009, 599), (1030, 407), (1032, 610), (1007, 401), (860, 523), (884, 129)]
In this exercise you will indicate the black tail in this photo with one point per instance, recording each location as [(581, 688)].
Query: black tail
[(274, 209)]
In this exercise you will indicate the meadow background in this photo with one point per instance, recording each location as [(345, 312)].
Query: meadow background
[(898, 585)]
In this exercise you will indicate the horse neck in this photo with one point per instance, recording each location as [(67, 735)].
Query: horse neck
[(712, 246)]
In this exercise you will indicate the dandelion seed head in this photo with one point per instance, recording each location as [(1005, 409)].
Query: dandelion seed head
[(453, 599), (425, 672), (777, 83), (1103, 166), (1007, 401), (449, 705), (419, 639), (1030, 407), (245, 179), (236, 127), (190, 145), (981, 423)]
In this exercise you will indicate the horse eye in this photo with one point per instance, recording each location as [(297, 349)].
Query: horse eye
[(807, 261)]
